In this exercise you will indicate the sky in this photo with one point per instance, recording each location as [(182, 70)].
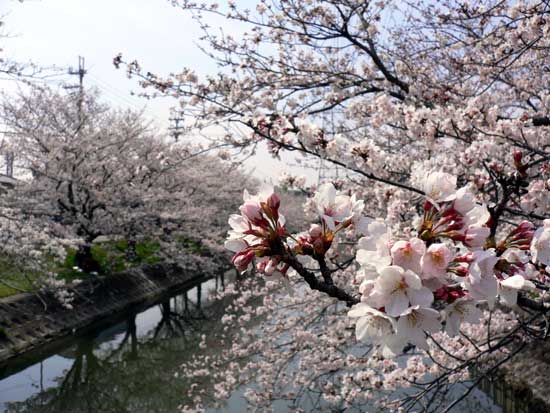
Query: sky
[(163, 38)]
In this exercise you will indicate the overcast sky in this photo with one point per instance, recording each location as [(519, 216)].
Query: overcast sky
[(161, 37)]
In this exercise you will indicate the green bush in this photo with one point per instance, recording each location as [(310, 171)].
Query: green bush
[(146, 252), (191, 245)]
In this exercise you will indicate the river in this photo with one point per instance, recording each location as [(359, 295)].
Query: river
[(131, 365)]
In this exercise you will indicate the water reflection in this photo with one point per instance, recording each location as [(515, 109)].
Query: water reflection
[(130, 366)]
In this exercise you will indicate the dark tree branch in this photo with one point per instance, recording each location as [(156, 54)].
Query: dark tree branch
[(326, 286), (541, 121)]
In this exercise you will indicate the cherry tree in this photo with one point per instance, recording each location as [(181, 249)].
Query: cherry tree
[(88, 171), (27, 241), (438, 115)]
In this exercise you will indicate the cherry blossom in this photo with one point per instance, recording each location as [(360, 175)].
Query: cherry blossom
[(408, 254), (335, 208), (397, 289), (414, 322), (508, 288), (435, 261), (376, 327), (481, 283), (463, 310), (97, 175), (440, 186), (374, 249), (540, 247)]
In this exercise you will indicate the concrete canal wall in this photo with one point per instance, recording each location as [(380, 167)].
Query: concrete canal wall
[(523, 384), (28, 323)]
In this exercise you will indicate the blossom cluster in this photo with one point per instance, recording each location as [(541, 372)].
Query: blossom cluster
[(432, 281), (256, 232)]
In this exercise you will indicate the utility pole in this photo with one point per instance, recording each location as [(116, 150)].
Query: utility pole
[(80, 73), (177, 130)]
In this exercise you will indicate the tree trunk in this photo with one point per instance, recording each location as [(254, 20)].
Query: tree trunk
[(131, 253), (85, 261)]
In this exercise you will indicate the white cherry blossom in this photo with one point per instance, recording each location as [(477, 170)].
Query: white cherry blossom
[(335, 208), (477, 216), (412, 324), (464, 201), (540, 246), (440, 187), (476, 236), (407, 254), (373, 251), (462, 310), (508, 289), (373, 326), (435, 261), (481, 283), (397, 289)]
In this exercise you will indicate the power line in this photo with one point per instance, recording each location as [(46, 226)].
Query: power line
[(113, 91), (114, 98)]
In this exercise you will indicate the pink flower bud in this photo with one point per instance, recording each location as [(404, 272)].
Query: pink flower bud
[(273, 202), (271, 266), (428, 206), (251, 211), (525, 230), (468, 258), (460, 271), (242, 260), (450, 212), (456, 294), (441, 293), (525, 226), (260, 266), (455, 226), (448, 294), (315, 231), (521, 237)]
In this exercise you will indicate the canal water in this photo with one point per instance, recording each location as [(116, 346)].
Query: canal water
[(131, 366), (126, 367)]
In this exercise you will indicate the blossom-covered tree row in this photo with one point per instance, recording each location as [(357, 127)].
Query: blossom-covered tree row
[(88, 173), (437, 115)]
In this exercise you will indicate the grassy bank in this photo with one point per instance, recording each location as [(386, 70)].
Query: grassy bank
[(110, 256)]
